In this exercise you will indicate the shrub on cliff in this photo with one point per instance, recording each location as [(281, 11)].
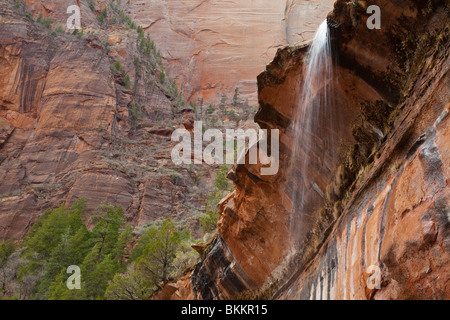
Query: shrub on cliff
[(135, 110), (127, 81), (101, 18), (222, 185), (117, 68)]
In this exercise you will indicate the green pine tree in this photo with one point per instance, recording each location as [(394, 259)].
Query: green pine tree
[(162, 252), (60, 258), (155, 264), (122, 250), (100, 277), (106, 230), (58, 288), (46, 233)]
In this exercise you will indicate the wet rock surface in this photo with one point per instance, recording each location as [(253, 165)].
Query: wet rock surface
[(382, 213)]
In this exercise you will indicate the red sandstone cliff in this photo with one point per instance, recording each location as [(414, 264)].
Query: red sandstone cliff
[(384, 203), (215, 46), (66, 126)]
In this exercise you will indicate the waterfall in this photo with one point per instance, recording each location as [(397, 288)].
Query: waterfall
[(315, 108)]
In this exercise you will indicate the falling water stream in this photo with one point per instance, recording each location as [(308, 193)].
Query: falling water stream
[(314, 111)]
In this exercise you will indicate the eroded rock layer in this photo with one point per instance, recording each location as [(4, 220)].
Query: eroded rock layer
[(380, 209)]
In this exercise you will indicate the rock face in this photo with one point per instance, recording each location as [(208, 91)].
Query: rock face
[(66, 116), (394, 232), (71, 127), (215, 46), (378, 215)]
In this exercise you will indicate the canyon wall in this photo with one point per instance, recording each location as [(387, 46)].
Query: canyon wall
[(211, 47), (71, 127), (394, 226), (378, 212), (67, 118)]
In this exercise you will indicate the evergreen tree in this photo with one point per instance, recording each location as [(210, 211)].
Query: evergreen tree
[(162, 252), (236, 97), (80, 244), (52, 230), (104, 259), (155, 264), (46, 234), (106, 231), (99, 279), (122, 250), (58, 289), (60, 239), (60, 259)]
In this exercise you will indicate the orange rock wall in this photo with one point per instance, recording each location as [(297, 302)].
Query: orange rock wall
[(212, 47), (388, 205), (399, 223)]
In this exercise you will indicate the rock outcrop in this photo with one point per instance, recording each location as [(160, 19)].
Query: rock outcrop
[(377, 216)]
